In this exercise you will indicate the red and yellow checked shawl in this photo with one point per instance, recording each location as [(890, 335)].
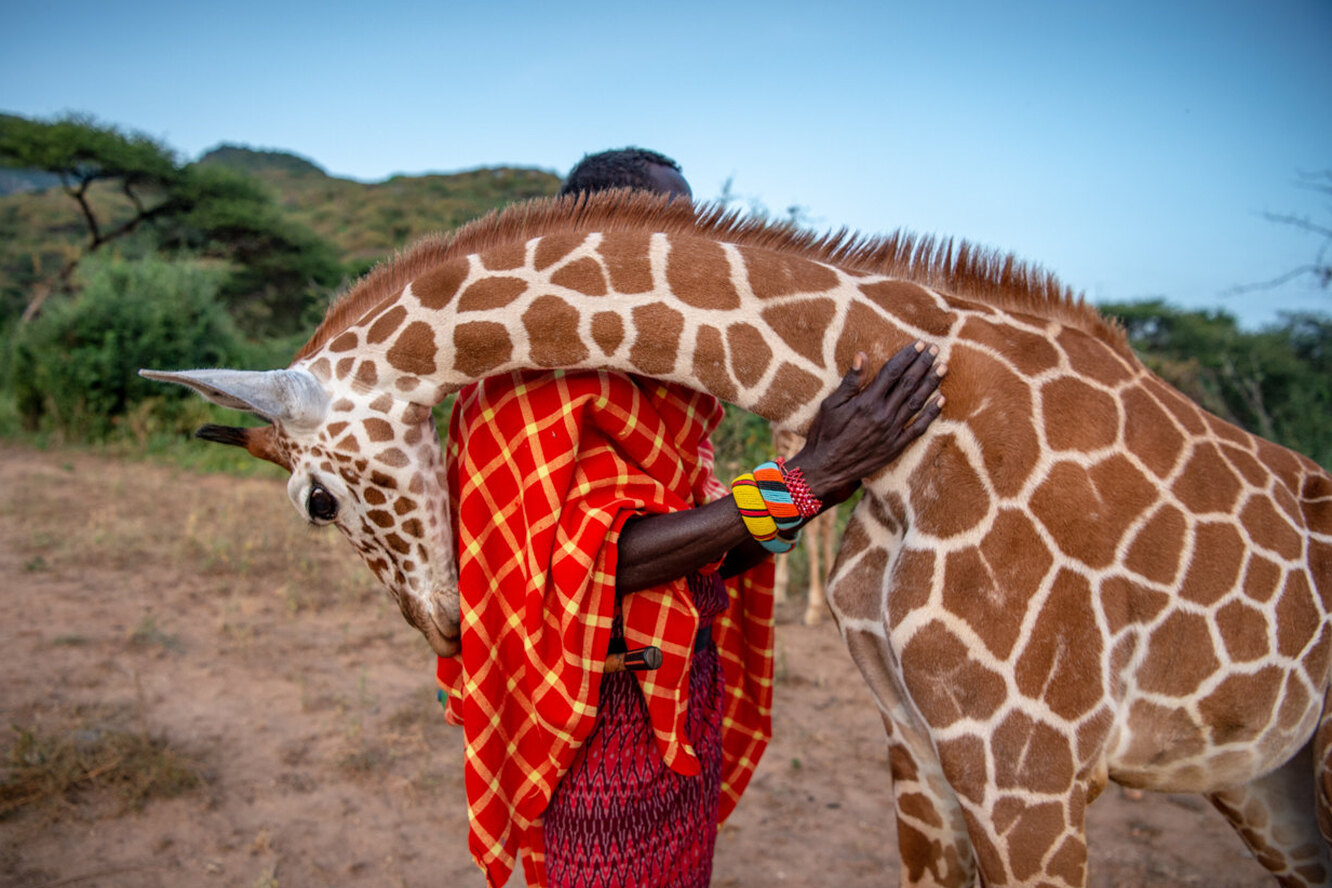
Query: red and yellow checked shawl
[(544, 469)]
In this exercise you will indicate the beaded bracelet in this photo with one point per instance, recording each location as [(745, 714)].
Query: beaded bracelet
[(777, 496), (805, 501), (754, 510)]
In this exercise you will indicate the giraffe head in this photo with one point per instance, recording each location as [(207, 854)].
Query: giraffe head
[(365, 461)]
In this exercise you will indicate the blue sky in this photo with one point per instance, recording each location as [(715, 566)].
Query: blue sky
[(1131, 147)]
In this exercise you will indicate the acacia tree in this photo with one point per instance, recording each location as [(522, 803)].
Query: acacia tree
[(281, 267)]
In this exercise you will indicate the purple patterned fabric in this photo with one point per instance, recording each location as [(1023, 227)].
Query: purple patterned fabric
[(620, 818)]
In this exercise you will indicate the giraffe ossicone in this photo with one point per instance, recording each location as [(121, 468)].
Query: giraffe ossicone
[(1074, 576)]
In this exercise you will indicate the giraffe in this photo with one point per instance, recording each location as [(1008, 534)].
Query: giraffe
[(818, 536), (1074, 576)]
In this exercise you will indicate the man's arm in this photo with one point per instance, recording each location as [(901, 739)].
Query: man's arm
[(855, 434)]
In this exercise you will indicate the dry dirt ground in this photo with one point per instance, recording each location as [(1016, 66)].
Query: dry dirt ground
[(198, 609)]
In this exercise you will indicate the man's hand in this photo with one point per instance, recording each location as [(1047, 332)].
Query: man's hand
[(857, 432)]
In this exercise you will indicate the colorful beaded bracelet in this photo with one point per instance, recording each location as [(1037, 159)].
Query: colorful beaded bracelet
[(758, 520), (805, 501)]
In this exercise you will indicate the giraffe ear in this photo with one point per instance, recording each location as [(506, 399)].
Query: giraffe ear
[(291, 398)]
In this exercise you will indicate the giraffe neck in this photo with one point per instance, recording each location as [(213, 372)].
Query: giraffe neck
[(761, 329)]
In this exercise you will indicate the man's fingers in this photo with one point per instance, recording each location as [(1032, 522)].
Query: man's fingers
[(898, 366), (850, 384)]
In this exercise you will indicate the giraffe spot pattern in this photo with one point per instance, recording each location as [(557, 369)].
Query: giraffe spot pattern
[(367, 376), (945, 681), (658, 342), (1031, 755), (378, 430), (626, 257), (490, 293), (1243, 632), (1179, 656), (385, 325), (1150, 433), (750, 353), (479, 347), (1155, 552), (1268, 529), (912, 579), (344, 367), (772, 274), (345, 342), (1061, 663), (998, 406), (868, 331), (1032, 835), (436, 288), (949, 476), (1092, 358), (800, 326), (1261, 578), (414, 350), (505, 257), (912, 304), (1241, 706), (1297, 616), (552, 331), (554, 247), (791, 388), (1214, 569), (1030, 353), (1207, 483), (1078, 416), (584, 276), (710, 364), (989, 589), (1087, 511), (699, 275)]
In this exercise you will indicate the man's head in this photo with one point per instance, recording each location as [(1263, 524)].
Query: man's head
[(626, 168)]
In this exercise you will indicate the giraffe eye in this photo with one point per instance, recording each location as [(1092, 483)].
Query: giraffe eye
[(321, 506)]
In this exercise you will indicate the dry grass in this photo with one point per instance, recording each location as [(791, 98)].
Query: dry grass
[(94, 752)]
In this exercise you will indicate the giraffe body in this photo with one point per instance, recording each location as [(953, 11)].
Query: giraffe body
[(1075, 576)]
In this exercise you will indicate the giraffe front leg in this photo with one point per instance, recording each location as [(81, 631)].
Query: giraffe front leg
[(1277, 817)]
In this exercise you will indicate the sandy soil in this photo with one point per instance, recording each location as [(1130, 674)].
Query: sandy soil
[(200, 609)]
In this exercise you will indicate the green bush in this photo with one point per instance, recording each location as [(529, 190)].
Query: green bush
[(75, 367)]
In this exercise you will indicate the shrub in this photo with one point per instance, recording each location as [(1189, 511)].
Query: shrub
[(75, 367)]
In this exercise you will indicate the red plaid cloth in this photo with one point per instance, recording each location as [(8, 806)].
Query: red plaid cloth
[(544, 469)]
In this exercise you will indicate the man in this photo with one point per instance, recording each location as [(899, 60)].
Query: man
[(590, 522)]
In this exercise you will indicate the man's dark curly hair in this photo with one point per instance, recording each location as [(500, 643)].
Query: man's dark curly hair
[(620, 168)]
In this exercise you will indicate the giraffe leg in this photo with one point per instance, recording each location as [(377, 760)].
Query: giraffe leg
[(932, 837), (1278, 818)]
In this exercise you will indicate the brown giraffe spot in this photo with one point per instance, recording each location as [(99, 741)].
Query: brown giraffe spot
[(375, 496), (413, 436), (404, 505), (1149, 433), (998, 406), (710, 364), (1214, 569), (552, 331), (583, 276), (607, 331), (366, 375), (414, 350), (345, 342), (1184, 411), (1032, 836), (436, 288), (407, 384), (1088, 510), (791, 389), (945, 682), (1243, 631), (490, 293), (1244, 463), (382, 404), (1241, 706), (348, 444), (1266, 528), (1179, 656), (554, 247), (657, 343), (991, 862), (1316, 660), (626, 257), (1226, 431), (343, 367), (412, 527), (384, 326), (1030, 353), (1069, 863), (912, 579), (865, 329), (335, 428), (380, 517), (699, 275), (860, 590), (1161, 734), (1031, 755), (321, 369), (802, 325), (1091, 738), (911, 304), (505, 257), (1295, 703), (392, 456), (1297, 617), (1156, 549), (963, 762), (750, 353), (1077, 416), (950, 497), (1207, 483), (378, 430), (480, 347), (1261, 578), (772, 274), (1090, 357), (919, 807), (398, 544), (1061, 663), (989, 586)]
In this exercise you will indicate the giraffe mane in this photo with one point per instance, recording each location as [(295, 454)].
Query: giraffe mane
[(954, 267)]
